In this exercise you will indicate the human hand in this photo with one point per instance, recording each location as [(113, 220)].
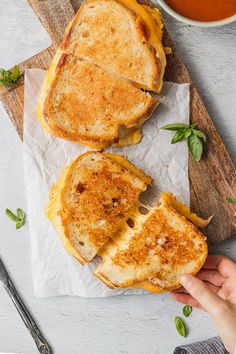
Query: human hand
[(214, 290)]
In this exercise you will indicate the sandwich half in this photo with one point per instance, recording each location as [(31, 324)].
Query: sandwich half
[(95, 90), (121, 36), (85, 103), (90, 202), (155, 252)]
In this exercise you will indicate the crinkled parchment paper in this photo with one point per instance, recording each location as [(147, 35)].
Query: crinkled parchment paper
[(55, 272)]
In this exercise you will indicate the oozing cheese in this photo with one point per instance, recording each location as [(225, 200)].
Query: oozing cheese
[(53, 212), (45, 88), (131, 138), (146, 285), (124, 162), (185, 210)]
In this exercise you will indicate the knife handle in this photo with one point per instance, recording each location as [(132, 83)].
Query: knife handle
[(29, 322)]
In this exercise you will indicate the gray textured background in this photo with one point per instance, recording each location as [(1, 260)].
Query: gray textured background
[(135, 324)]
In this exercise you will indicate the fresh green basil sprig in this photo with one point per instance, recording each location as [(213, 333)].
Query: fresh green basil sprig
[(18, 218), (187, 132), (180, 326), (9, 78), (231, 200), (187, 310)]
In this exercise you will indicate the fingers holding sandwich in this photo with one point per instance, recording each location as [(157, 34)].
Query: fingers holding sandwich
[(200, 295)]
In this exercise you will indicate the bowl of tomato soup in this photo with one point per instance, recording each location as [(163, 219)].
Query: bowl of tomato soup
[(203, 13)]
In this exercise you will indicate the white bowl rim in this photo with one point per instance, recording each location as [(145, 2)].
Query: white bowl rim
[(179, 17)]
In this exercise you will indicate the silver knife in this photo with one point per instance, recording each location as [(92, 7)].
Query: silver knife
[(29, 322)]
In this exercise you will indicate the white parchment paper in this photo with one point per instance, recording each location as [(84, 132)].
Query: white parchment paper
[(55, 272)]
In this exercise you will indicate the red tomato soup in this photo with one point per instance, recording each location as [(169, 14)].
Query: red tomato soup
[(204, 10)]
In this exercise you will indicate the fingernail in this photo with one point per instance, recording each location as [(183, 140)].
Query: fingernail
[(186, 280)]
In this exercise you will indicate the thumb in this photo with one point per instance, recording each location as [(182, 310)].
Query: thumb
[(210, 301)]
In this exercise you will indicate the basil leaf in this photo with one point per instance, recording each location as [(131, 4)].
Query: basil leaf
[(188, 132), (9, 78), (180, 135), (5, 74), (195, 147), (15, 73), (21, 214), (180, 326), (199, 134), (175, 126), (19, 224), (187, 310), (231, 200), (12, 216), (184, 132), (19, 219), (5, 80)]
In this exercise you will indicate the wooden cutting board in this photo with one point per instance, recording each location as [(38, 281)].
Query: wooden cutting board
[(211, 180)]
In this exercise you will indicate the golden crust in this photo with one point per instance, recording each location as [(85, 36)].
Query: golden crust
[(95, 53), (106, 281), (153, 23)]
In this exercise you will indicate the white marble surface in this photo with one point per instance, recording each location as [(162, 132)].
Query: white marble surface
[(120, 325)]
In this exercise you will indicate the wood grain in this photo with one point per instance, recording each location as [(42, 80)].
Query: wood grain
[(211, 180), (214, 177)]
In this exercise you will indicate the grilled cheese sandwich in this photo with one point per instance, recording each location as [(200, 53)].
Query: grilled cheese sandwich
[(133, 67), (95, 207)]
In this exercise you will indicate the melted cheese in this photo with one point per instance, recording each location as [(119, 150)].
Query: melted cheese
[(146, 285), (124, 162), (131, 138), (185, 210), (50, 75), (157, 19), (52, 212)]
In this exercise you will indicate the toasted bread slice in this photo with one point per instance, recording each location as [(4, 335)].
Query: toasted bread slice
[(120, 36), (87, 104), (161, 247), (90, 201)]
